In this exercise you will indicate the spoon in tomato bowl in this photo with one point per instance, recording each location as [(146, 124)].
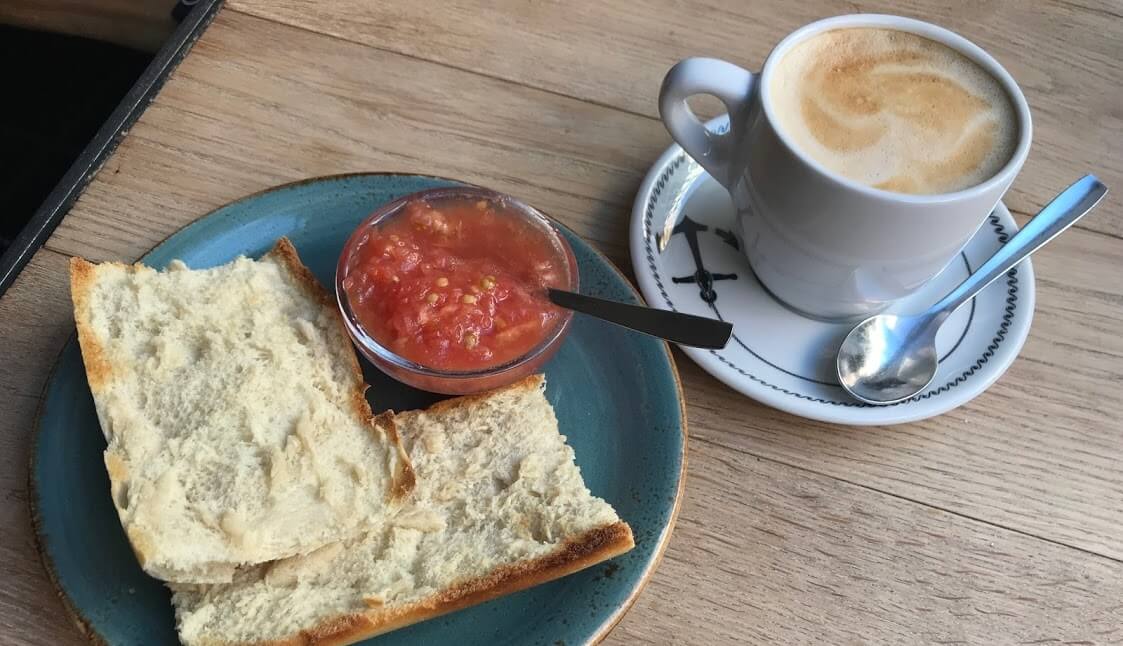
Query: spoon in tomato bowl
[(684, 329)]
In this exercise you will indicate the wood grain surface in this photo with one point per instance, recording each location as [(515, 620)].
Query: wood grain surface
[(1000, 522), (1066, 57)]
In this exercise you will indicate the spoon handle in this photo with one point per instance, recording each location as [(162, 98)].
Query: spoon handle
[(686, 329), (1072, 204)]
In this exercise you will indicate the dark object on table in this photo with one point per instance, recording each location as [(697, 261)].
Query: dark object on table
[(59, 90), (67, 189)]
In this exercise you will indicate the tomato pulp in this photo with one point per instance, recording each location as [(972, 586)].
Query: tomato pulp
[(456, 286)]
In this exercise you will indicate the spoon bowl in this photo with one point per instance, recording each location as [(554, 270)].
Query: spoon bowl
[(888, 358)]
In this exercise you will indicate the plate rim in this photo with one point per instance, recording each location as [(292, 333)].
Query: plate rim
[(863, 416), (84, 625)]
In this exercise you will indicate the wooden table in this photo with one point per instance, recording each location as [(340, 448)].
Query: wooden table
[(1000, 522)]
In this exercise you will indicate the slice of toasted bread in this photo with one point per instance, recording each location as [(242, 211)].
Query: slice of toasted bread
[(499, 506), (233, 407)]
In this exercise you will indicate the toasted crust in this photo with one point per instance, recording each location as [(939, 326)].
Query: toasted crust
[(98, 366), (285, 253), (99, 371), (404, 478), (526, 383), (590, 548)]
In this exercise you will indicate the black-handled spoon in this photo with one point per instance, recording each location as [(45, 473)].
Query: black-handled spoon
[(685, 329)]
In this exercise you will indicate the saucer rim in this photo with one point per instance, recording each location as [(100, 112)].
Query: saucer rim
[(795, 400)]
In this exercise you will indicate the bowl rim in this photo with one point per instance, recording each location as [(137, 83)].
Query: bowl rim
[(544, 222)]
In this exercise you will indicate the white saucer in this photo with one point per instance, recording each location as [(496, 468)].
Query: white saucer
[(786, 360)]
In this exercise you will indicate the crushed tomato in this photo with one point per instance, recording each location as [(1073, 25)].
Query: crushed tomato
[(458, 287)]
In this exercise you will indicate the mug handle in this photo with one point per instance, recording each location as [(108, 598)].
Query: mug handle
[(735, 87)]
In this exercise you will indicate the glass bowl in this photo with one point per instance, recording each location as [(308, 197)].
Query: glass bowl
[(453, 382)]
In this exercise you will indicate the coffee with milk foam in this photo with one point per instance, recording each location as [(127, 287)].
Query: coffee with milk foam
[(894, 110)]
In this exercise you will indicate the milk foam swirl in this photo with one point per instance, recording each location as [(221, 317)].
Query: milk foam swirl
[(894, 110)]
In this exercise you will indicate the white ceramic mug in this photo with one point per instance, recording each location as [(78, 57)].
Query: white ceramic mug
[(824, 244)]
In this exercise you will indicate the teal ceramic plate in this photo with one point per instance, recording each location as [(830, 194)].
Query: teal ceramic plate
[(616, 394)]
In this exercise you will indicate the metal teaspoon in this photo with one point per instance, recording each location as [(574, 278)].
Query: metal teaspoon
[(889, 358), (685, 329)]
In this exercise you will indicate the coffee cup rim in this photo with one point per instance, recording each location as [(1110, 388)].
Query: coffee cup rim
[(932, 32)]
